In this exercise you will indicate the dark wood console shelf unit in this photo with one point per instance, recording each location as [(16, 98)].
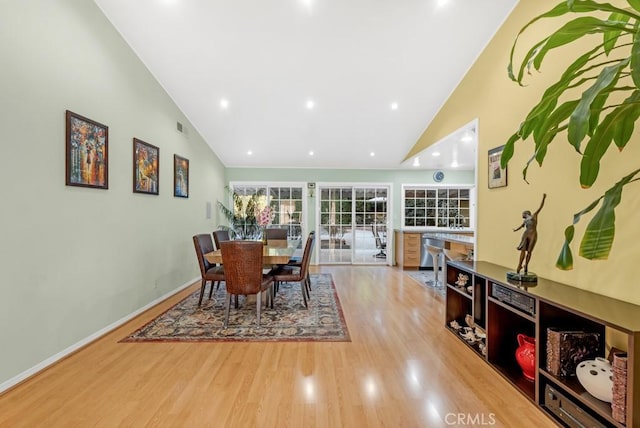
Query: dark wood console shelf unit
[(503, 310)]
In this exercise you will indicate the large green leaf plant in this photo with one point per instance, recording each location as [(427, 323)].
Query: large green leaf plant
[(608, 77)]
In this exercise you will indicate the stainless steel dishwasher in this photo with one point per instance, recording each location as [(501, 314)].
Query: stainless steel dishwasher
[(426, 261)]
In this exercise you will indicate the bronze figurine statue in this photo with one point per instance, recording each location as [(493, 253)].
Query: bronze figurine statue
[(529, 236)]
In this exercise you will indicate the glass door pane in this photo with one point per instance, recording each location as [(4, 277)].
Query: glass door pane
[(336, 206), (353, 223), (370, 225)]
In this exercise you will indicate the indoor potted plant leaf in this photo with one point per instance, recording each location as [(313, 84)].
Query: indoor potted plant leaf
[(241, 219), (609, 76)]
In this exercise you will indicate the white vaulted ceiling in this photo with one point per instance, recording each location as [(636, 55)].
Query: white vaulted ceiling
[(339, 78)]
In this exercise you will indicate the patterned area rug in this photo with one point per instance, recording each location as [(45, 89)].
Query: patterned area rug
[(425, 278), (287, 321)]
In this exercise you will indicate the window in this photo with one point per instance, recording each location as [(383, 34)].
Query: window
[(430, 206), (284, 200)]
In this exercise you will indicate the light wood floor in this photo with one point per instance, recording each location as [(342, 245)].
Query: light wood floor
[(401, 369)]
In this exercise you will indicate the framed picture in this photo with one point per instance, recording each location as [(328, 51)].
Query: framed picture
[(146, 167), (497, 175), (86, 145), (180, 176)]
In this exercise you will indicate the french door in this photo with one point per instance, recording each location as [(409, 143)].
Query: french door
[(352, 224)]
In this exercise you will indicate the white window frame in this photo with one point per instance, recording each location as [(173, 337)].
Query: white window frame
[(352, 184), (422, 186), (268, 185)]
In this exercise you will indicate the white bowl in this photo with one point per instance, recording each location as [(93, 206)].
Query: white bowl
[(596, 376)]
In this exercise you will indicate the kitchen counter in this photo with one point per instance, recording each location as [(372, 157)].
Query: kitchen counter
[(409, 243), (457, 230), (451, 237)]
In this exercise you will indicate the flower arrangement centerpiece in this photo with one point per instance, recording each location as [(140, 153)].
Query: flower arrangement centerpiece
[(264, 219)]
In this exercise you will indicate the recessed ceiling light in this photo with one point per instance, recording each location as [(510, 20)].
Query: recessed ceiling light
[(394, 106), (466, 137), (416, 161), (454, 164), (435, 154), (442, 2), (372, 154), (249, 152), (224, 103), (310, 104), (310, 152)]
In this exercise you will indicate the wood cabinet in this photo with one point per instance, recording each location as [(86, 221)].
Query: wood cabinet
[(479, 293), (408, 249)]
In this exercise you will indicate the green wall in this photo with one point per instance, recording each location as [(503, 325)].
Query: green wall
[(76, 260)]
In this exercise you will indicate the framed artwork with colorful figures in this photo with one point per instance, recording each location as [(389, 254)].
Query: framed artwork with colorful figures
[(87, 152), (180, 177), (146, 168)]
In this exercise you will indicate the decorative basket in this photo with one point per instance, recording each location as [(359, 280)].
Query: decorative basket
[(619, 402), (566, 349)]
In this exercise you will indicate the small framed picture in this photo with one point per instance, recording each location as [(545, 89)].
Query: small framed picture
[(86, 145), (180, 177), (497, 175), (146, 167)]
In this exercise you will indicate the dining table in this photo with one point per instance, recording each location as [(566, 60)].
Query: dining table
[(275, 252)]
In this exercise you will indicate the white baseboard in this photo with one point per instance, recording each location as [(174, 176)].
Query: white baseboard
[(65, 352)]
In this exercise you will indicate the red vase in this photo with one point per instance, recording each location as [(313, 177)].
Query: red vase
[(526, 356)]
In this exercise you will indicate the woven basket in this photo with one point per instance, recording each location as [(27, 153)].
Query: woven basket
[(619, 402)]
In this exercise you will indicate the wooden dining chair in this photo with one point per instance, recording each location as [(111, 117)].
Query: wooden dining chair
[(219, 236), (242, 261), (276, 233), (298, 274), (297, 261), (208, 272)]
